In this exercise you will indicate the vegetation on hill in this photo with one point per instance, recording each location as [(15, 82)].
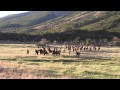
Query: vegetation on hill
[(61, 25), (25, 21)]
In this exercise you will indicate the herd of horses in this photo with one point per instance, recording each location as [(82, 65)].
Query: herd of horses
[(45, 50)]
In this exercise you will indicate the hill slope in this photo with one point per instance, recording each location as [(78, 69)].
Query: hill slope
[(91, 21), (63, 25), (24, 21)]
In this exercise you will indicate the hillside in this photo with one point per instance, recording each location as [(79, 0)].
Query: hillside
[(62, 25), (20, 22), (91, 21)]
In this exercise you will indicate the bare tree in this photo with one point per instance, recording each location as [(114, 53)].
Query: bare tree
[(116, 41), (76, 41), (54, 42), (43, 42)]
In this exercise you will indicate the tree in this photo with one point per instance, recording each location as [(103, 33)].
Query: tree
[(43, 42), (54, 42), (82, 43), (116, 41), (100, 42), (76, 41), (93, 41), (88, 41), (105, 41), (65, 43)]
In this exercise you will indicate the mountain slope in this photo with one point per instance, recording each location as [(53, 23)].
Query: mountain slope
[(63, 25), (83, 20), (35, 22), (15, 23)]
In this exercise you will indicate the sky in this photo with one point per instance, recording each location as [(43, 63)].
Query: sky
[(5, 13)]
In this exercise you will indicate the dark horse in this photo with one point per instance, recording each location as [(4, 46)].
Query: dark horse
[(41, 51), (27, 51), (78, 54), (36, 52), (56, 52), (45, 51), (50, 51)]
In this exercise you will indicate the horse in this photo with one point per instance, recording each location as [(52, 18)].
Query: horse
[(77, 53), (36, 52)]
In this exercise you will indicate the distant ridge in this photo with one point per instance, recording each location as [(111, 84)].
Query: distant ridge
[(71, 24)]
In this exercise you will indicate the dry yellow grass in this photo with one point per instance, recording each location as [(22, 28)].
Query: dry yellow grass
[(16, 64)]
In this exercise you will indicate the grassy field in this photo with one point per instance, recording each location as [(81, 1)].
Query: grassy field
[(16, 64)]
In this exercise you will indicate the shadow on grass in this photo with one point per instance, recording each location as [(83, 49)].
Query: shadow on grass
[(9, 59), (95, 58), (87, 58), (25, 56), (70, 56), (72, 59), (61, 60)]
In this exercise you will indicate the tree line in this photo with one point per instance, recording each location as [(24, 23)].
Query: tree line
[(71, 37)]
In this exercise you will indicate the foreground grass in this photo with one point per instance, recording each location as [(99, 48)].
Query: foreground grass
[(16, 64)]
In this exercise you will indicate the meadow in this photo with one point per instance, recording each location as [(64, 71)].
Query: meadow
[(16, 64)]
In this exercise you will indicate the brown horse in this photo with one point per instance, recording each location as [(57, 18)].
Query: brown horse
[(78, 54), (27, 51), (36, 52)]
